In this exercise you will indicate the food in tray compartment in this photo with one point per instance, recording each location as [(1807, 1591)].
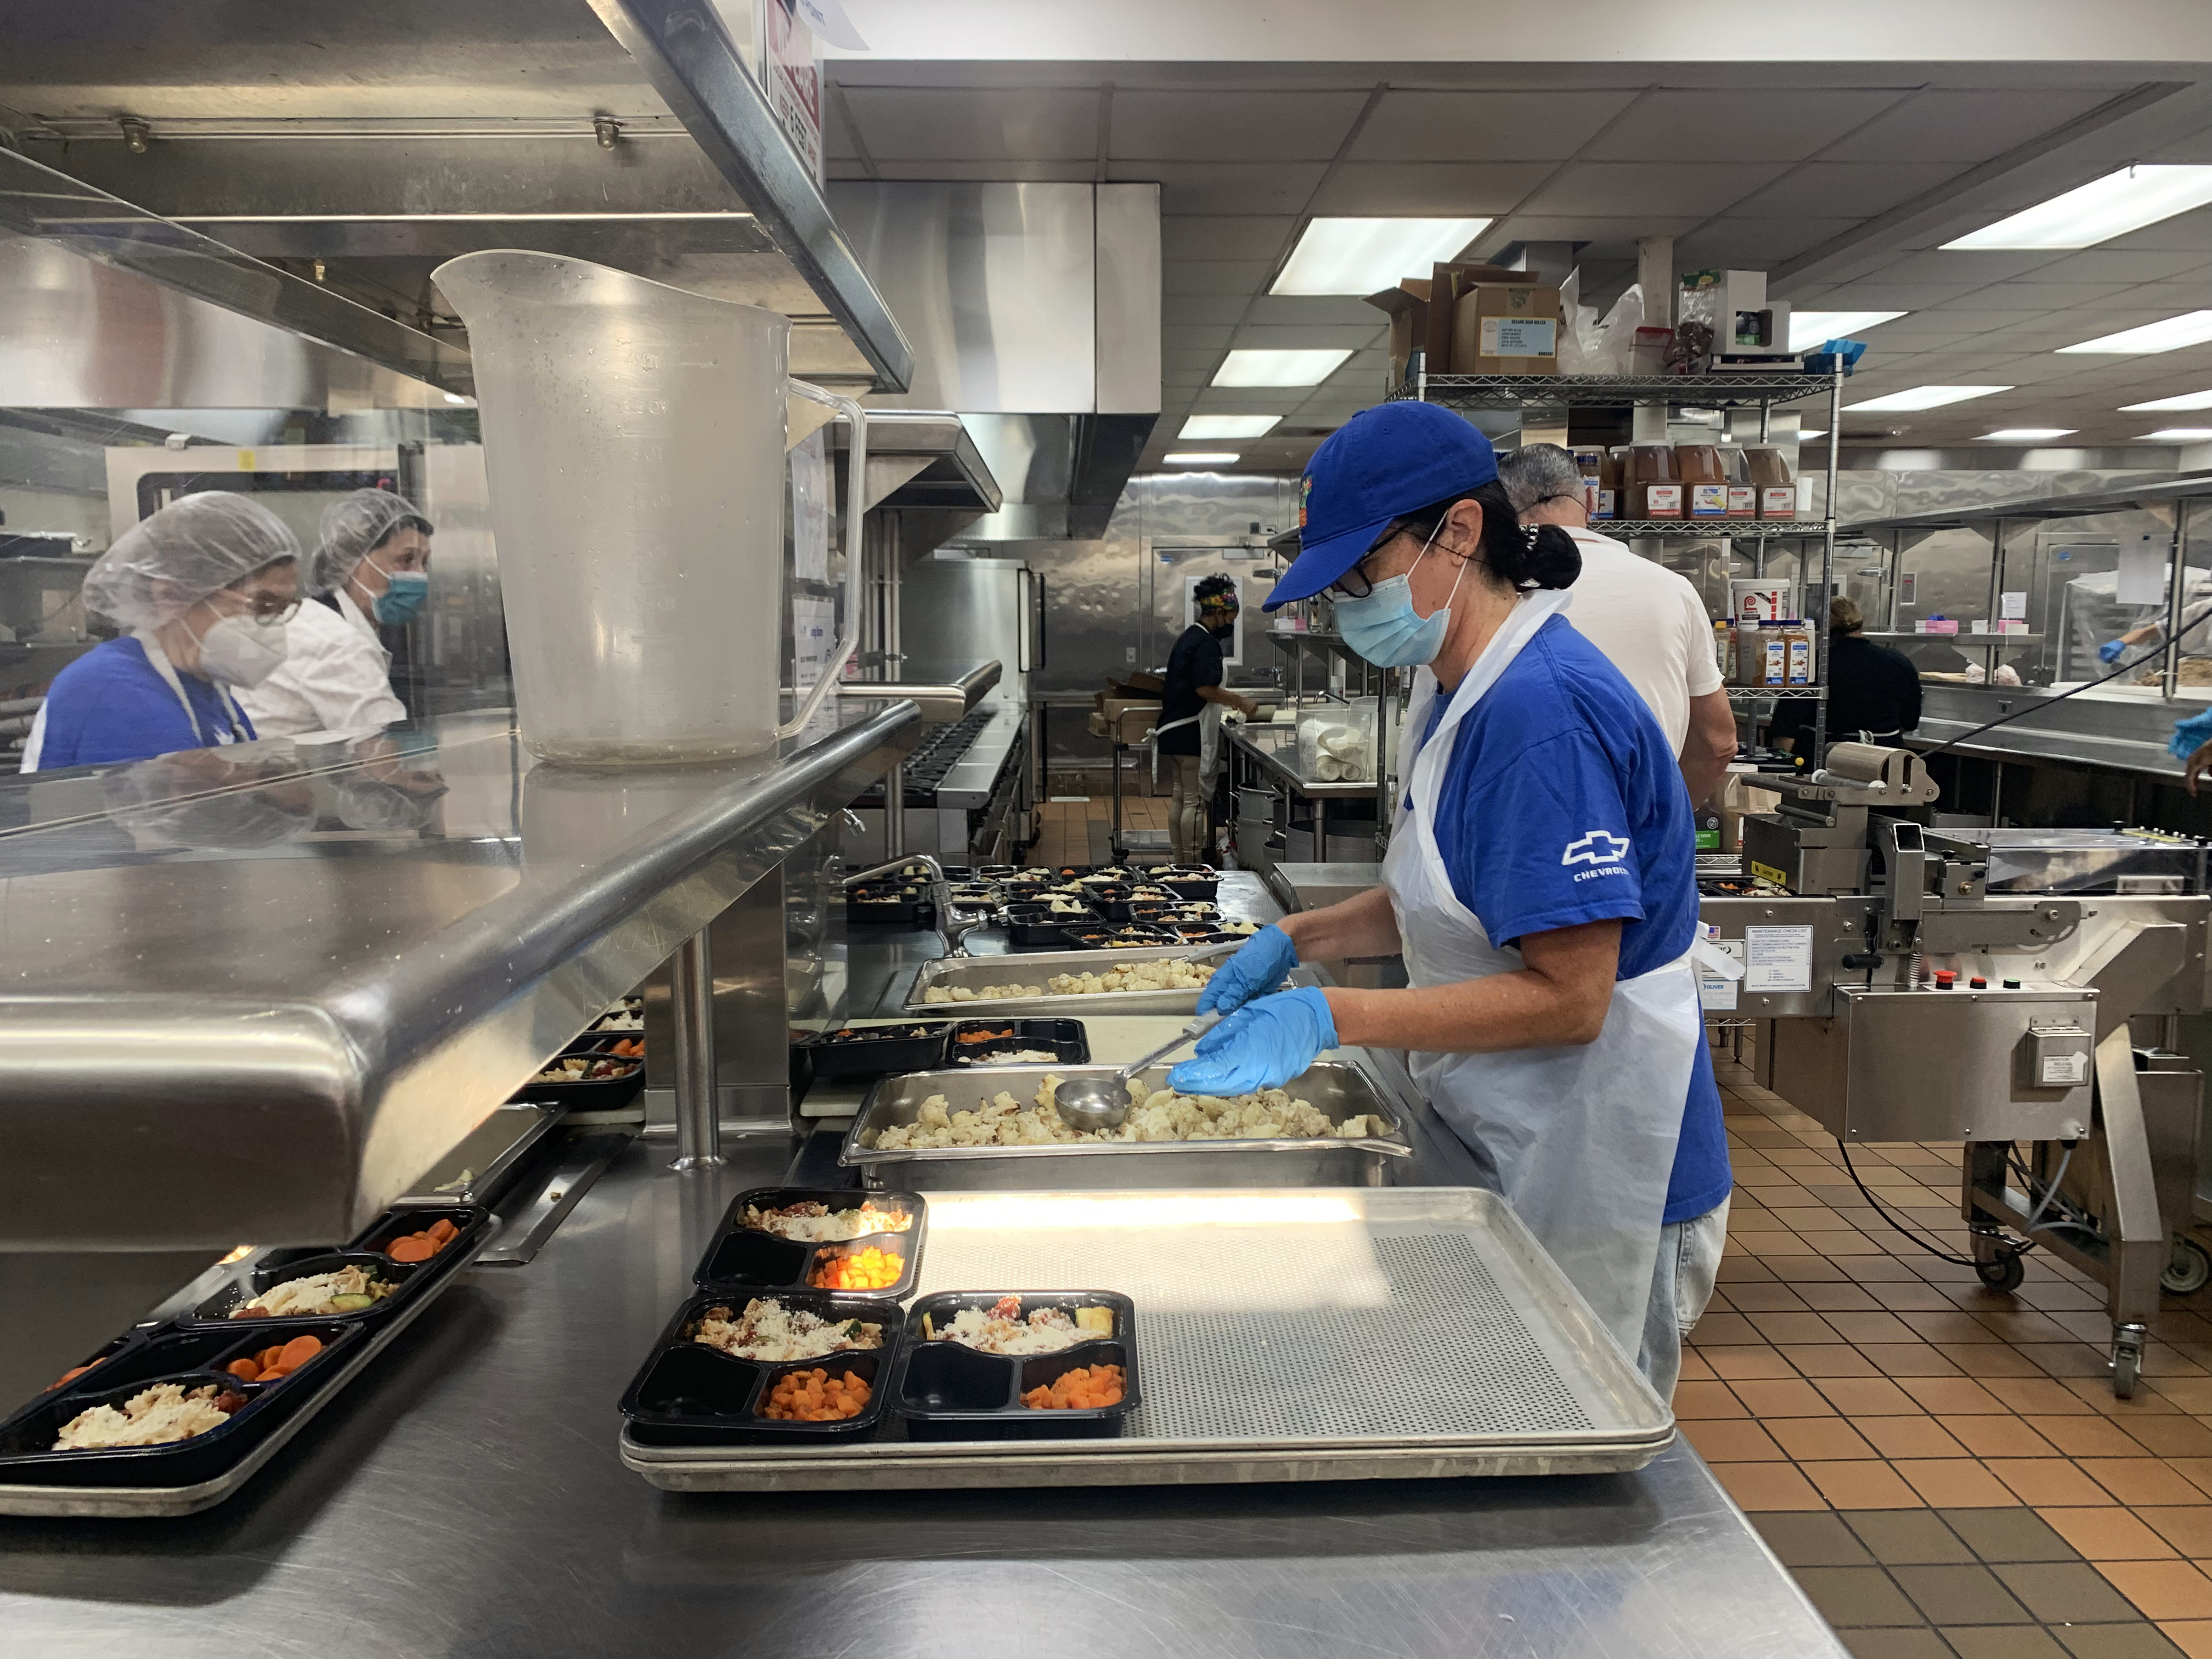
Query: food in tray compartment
[(980, 993), (1086, 1387), (1162, 973), (420, 1247), (880, 1033), (1060, 907), (816, 1396), (279, 1360), (155, 1417), (1000, 1328), (1010, 1057), (870, 1268), (69, 1375), (346, 1290), (629, 1049), (586, 1068), (812, 1223), (768, 1330), (1156, 1115), (1238, 928), (622, 1016)]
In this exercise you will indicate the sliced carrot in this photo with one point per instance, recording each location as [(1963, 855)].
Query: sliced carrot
[(444, 1231), (244, 1369), (413, 1248), (298, 1351), (71, 1374)]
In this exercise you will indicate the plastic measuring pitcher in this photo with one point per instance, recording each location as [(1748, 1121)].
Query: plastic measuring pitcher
[(633, 441)]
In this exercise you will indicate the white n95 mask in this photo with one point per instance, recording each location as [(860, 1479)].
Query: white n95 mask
[(240, 652)]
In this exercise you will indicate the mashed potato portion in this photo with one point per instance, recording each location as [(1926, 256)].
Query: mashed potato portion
[(1166, 973), (1154, 1114)]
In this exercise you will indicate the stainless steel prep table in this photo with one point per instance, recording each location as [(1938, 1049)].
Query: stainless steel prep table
[(463, 1497)]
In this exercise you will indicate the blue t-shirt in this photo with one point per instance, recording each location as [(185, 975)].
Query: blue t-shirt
[(1562, 804), (110, 705)]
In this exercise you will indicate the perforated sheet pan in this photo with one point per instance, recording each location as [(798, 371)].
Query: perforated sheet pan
[(1312, 1334)]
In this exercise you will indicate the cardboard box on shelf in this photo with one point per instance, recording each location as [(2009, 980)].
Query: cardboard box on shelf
[(1506, 328), (1739, 799), (1447, 286)]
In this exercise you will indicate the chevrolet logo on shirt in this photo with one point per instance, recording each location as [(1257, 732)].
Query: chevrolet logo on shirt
[(1596, 847)]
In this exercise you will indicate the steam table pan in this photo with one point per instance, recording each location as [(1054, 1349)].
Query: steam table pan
[(1290, 1333), (972, 973)]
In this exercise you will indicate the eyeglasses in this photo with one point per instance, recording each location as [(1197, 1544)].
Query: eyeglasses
[(1354, 584), (266, 609)]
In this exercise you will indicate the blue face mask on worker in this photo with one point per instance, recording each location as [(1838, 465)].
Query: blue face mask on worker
[(402, 595), (1381, 626)]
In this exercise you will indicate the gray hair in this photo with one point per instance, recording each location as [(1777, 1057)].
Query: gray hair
[(1535, 470)]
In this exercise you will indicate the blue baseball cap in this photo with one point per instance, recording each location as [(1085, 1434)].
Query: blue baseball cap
[(1381, 464)]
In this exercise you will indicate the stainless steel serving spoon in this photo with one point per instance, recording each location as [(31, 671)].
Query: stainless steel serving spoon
[(1103, 1103)]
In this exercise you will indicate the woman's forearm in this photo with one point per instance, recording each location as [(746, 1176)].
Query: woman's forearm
[(1364, 925), (1521, 1010)]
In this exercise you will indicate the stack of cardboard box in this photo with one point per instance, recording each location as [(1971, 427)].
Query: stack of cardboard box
[(1126, 709), (1472, 319)]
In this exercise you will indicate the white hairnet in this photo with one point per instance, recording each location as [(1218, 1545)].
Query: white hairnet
[(196, 545), (352, 526)]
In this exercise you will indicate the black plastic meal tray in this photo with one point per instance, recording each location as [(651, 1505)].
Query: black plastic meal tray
[(630, 1005), (895, 906), (1188, 882), (1064, 1037), (1037, 925), (412, 1276), (597, 1094), (192, 1357), (872, 1056), (742, 1260), (690, 1394), (1119, 936), (947, 1391)]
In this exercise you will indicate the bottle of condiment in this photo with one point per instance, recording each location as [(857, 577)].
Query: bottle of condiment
[(1799, 648), (1704, 486), (1770, 474), (1724, 650), (1649, 483), (1608, 485), (1742, 494)]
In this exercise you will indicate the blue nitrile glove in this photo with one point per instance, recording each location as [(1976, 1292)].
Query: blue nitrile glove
[(2111, 649), (1260, 965), (1263, 1045), (2188, 738)]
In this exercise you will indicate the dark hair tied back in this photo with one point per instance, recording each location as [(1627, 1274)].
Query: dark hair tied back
[(1532, 556), (1548, 558)]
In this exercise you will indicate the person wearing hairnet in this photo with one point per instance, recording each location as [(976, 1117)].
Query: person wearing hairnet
[(370, 566), (204, 588)]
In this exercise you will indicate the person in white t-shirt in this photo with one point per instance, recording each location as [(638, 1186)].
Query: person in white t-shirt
[(1648, 621)]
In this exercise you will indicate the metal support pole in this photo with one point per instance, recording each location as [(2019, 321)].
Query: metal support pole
[(2177, 589), (1820, 624), (698, 1107)]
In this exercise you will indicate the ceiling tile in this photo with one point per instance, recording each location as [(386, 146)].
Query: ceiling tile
[(1201, 125), (1484, 126), (837, 142), (1964, 127), (1933, 265), (1894, 296), (1233, 187), (2058, 296), (1603, 237), (1214, 276), (1835, 190), (1444, 188), (1755, 244), (2185, 232), (2105, 265), (1178, 309), (1271, 336), (1194, 336), (979, 123), (1225, 237), (1066, 173), (1656, 187), (1303, 311), (1726, 125), (1188, 357)]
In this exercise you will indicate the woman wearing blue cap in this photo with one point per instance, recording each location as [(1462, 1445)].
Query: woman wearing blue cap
[(1540, 885)]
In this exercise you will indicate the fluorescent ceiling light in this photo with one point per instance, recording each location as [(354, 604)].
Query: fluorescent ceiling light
[(2026, 434), (1298, 367), (1359, 255), (1923, 397), (1809, 328), (1803, 435), (2186, 400), (1202, 457), (1227, 425), (2181, 434), (2191, 328), (2099, 210)]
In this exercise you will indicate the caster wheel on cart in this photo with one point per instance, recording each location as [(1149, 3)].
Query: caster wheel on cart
[(2005, 1273), (2127, 1362), (2187, 1270)]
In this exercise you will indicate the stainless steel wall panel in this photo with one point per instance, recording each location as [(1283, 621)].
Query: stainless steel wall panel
[(1128, 299)]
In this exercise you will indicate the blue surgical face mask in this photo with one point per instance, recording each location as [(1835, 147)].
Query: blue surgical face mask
[(402, 595), (1382, 627)]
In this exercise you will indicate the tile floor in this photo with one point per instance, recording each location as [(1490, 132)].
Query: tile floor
[(1077, 831), (1944, 1466)]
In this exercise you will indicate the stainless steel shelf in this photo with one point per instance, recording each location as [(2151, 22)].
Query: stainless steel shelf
[(1739, 529), (1580, 391), (1982, 641)]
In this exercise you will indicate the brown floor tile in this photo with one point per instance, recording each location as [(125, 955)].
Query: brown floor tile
[(1862, 1484), (2192, 1637), (1719, 1327), (1839, 1298), (1909, 1436), (2162, 1589), (1908, 1537), (1961, 1594), (2196, 1470), (2086, 1436), (1955, 1395), (2138, 1480), (2034, 1396), (2107, 1535), (2065, 1359), (1807, 1538), (1829, 1360), (1907, 1359), (1731, 1363), (1693, 1400), (1868, 1396), (1731, 1440), (1765, 1298), (2001, 1642), (1885, 1270), (1866, 1329), (1817, 1439), (1781, 1397), (1850, 1596), (2015, 1535), (2188, 1528), (2190, 1394), (1694, 1368), (1737, 1268), (1757, 1486), (1999, 1437), (1956, 1483), (1778, 1327), (1988, 1359), (1851, 1244), (2021, 1325), (2096, 1393), (2064, 1593), (1903, 1296), (2047, 1482), (1806, 1270)]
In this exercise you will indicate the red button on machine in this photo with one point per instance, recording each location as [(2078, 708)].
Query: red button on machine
[(1945, 979)]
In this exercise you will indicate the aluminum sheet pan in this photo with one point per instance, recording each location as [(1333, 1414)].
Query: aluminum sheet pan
[(148, 1503), (1337, 1091), (1029, 968), (1319, 1333)]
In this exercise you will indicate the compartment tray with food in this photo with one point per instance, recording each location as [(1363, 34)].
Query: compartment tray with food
[(694, 1393), (1017, 1366), (785, 1238), (872, 1050), (1004, 975), (1017, 1042)]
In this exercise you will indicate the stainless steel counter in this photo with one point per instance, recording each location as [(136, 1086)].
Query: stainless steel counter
[(1275, 748), (2124, 731), (252, 993), (463, 1497)]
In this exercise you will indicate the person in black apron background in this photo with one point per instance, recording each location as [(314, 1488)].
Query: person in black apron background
[(1195, 697), (1874, 692)]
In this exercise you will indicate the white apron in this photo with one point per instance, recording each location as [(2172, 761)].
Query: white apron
[(1581, 1139), (1208, 720)]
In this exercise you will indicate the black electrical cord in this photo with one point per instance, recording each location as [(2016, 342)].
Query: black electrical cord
[(1883, 1210)]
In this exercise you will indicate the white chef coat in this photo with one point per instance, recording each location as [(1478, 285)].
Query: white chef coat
[(1651, 624), (336, 678)]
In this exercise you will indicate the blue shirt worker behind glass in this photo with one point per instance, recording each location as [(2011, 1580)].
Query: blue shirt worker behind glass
[(204, 588), (1540, 885)]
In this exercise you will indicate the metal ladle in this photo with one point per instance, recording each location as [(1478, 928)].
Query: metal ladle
[(1103, 1103)]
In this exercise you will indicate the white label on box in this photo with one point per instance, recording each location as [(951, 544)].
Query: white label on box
[(1777, 959), (1716, 990), (1663, 501), (2064, 1071), (1606, 499), (2013, 605), (1743, 501), (1778, 501), (1709, 501), (1520, 337)]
